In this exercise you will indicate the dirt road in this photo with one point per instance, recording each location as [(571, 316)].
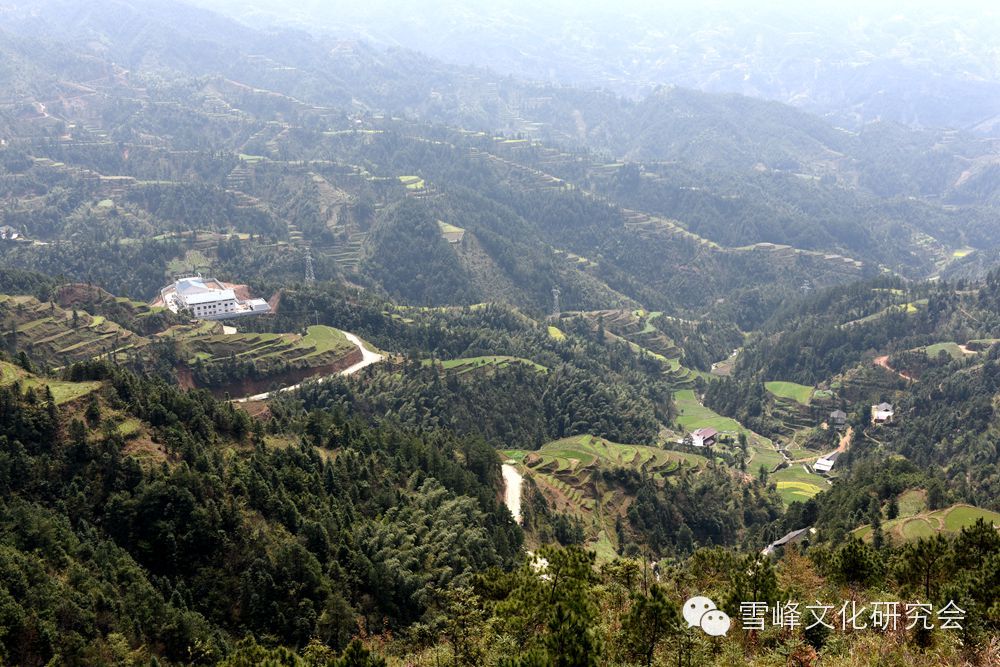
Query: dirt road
[(512, 490), (367, 359)]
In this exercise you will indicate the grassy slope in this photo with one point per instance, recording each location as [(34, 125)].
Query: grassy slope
[(926, 523), (791, 390), (466, 364), (62, 391)]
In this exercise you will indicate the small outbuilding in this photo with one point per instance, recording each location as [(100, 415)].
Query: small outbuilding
[(825, 463)]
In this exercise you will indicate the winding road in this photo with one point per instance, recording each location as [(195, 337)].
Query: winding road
[(367, 359), (883, 361), (512, 490)]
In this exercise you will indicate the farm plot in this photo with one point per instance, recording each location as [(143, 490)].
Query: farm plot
[(947, 521), (795, 483), (320, 346), (468, 364), (55, 336), (62, 391), (799, 393)]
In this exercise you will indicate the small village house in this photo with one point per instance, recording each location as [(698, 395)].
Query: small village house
[(704, 437), (882, 413), (825, 463), (838, 419)]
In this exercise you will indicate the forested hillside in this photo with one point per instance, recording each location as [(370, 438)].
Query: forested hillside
[(537, 364)]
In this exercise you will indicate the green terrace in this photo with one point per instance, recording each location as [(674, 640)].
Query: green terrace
[(947, 521), (53, 336), (206, 344), (573, 455), (567, 471), (799, 393), (795, 483), (467, 364), (693, 415), (62, 391)]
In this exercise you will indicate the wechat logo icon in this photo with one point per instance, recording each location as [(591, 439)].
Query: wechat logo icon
[(702, 612)]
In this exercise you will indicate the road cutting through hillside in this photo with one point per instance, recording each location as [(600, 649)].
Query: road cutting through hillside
[(883, 361), (367, 359)]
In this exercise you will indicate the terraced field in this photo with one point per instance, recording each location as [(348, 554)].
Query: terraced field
[(573, 455), (693, 415), (565, 471), (467, 364), (322, 345), (951, 348), (50, 336), (193, 261), (62, 391), (412, 182), (799, 393), (795, 483), (635, 327), (945, 521)]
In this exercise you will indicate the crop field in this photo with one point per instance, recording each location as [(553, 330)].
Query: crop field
[(467, 364), (945, 521), (799, 393), (192, 262), (62, 391), (795, 483), (692, 414), (412, 182), (582, 451), (50, 336), (556, 333), (951, 348), (320, 346), (912, 501), (448, 228), (565, 471)]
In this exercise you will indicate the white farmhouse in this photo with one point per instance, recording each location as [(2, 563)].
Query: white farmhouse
[(209, 300), (704, 437), (882, 413)]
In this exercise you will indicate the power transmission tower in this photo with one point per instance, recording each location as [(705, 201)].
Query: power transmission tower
[(555, 302), (310, 276)]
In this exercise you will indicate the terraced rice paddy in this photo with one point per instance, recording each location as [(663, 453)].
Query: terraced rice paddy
[(946, 521), (566, 472), (796, 484), (467, 364), (579, 452), (52, 336), (799, 393), (320, 346)]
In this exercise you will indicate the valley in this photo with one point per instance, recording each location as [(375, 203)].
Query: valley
[(315, 350)]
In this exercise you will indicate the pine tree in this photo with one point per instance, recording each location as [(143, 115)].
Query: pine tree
[(651, 620)]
